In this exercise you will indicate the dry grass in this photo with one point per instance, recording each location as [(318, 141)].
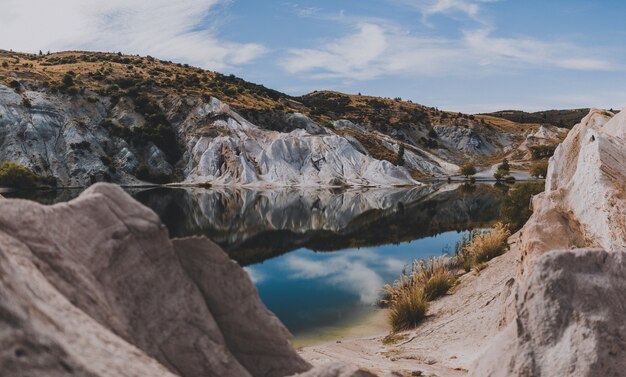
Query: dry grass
[(408, 296), (408, 309), (427, 279), (488, 245)]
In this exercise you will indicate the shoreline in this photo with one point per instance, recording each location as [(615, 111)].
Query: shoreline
[(456, 331), (367, 325)]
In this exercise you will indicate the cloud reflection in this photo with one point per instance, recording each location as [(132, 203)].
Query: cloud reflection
[(356, 271)]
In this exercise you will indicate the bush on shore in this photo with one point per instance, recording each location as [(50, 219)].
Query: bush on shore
[(17, 176)]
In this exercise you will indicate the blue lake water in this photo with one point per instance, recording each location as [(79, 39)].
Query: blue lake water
[(311, 290), (319, 258)]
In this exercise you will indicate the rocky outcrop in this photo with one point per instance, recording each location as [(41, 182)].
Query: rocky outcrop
[(94, 287), (583, 203), (569, 319), (565, 313), (253, 156)]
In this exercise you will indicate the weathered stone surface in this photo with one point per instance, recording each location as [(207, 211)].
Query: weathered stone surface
[(565, 317), (95, 287), (569, 319), (252, 333), (583, 204)]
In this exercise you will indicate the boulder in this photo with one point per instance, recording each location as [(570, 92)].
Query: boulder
[(569, 319), (95, 287)]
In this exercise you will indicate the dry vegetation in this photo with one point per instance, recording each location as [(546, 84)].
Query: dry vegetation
[(426, 280)]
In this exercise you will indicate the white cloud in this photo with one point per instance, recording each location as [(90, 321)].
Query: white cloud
[(446, 6), (164, 28), (375, 50)]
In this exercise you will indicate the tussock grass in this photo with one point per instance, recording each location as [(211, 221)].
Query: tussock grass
[(488, 245), (408, 309), (428, 279)]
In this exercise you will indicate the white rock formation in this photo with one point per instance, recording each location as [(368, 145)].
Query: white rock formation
[(87, 137), (565, 316), (583, 202), (94, 287), (251, 156)]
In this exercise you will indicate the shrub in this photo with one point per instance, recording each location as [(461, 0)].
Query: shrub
[(504, 167), (68, 80), (515, 207), (467, 169), (15, 84), (539, 169), (5, 65), (542, 151), (408, 310), (17, 176)]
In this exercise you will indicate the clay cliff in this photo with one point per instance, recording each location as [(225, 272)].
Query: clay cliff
[(95, 287)]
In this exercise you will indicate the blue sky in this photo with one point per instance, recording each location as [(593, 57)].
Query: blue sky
[(462, 55)]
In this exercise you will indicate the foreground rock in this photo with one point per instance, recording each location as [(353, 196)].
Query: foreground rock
[(569, 319), (565, 315), (95, 287)]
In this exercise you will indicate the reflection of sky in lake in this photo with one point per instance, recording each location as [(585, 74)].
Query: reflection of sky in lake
[(308, 289)]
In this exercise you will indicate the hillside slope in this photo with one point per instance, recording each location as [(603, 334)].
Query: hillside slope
[(88, 117)]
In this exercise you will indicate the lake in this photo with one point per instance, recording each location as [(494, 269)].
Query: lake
[(319, 258)]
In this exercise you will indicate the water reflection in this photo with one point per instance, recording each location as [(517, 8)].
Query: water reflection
[(253, 226)]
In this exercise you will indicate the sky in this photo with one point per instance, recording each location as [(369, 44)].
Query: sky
[(459, 55)]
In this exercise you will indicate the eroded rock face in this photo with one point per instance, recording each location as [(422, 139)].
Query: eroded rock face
[(583, 204), (95, 287), (309, 156), (565, 317), (569, 319)]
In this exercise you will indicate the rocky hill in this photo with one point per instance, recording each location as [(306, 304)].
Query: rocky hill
[(88, 117)]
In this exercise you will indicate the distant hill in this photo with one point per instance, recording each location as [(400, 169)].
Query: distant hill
[(558, 118)]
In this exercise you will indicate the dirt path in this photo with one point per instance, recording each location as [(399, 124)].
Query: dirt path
[(447, 343)]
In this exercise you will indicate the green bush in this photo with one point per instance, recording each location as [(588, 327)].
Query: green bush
[(515, 208), (17, 176), (467, 169)]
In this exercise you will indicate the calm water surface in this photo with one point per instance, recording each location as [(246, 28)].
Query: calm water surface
[(319, 257)]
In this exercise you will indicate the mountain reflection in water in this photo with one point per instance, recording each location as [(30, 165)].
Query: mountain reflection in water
[(253, 226)]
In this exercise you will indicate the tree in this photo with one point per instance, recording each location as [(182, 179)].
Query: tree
[(498, 176), (539, 169), (504, 168), (467, 169), (68, 80)]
